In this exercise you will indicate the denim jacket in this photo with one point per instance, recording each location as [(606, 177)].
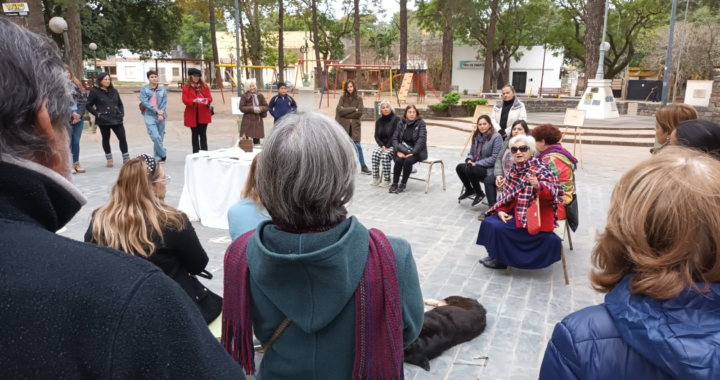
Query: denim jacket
[(146, 92)]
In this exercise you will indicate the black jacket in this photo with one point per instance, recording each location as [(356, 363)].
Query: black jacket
[(385, 129), (182, 257), (419, 147), (71, 310), (106, 106)]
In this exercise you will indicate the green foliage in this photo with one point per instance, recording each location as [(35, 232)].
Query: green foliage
[(137, 25), (472, 104), (382, 42), (271, 57), (450, 99), (465, 92), (192, 30)]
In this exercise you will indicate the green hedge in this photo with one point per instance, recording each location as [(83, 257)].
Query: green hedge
[(450, 99), (472, 104)]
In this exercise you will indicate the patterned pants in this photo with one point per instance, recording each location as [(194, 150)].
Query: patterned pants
[(379, 157)]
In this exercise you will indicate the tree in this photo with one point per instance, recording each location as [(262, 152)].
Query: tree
[(213, 40), (382, 43), (356, 25), (403, 36), (489, 63), (318, 68), (257, 38), (281, 50), (192, 30)]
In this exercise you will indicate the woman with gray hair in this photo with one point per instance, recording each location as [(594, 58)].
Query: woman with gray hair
[(384, 129), (255, 108), (531, 196), (305, 277)]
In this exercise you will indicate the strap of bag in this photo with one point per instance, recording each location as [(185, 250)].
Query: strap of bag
[(285, 323)]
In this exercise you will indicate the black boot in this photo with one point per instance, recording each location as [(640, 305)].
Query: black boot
[(466, 194), (478, 198), (365, 170), (493, 264)]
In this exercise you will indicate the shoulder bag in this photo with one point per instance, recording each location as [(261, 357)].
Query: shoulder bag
[(533, 217), (403, 147), (142, 107), (212, 109)]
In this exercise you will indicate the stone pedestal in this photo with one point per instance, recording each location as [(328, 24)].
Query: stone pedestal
[(305, 97), (598, 101)]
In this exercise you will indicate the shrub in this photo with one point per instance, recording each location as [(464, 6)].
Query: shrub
[(465, 92), (472, 104), (450, 99)]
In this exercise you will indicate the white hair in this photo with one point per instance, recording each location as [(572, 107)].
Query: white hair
[(527, 140), (306, 173), (249, 82), (385, 101)]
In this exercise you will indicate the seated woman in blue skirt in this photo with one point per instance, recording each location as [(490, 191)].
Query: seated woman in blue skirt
[(504, 231)]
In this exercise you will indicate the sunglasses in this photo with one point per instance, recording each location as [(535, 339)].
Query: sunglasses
[(523, 149), (165, 179)]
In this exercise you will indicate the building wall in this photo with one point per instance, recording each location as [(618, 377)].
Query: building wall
[(468, 68), (135, 71)]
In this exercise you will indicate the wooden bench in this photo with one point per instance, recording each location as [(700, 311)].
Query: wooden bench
[(561, 230), (431, 162), (549, 91), (363, 92)]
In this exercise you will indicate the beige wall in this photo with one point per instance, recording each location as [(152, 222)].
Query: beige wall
[(292, 42)]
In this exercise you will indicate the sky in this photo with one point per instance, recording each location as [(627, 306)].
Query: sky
[(390, 6)]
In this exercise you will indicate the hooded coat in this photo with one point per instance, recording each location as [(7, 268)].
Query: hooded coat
[(637, 337)]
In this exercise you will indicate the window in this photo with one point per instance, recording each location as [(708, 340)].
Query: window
[(112, 70), (176, 71)]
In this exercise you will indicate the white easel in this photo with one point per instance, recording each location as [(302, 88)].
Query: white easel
[(574, 118)]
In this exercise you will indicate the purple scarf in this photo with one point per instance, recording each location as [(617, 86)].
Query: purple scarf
[(378, 317), (479, 141), (558, 148)]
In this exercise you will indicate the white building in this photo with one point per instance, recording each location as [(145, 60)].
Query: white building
[(525, 74), (128, 67)]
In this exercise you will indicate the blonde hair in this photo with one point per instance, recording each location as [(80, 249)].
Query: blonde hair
[(250, 191), (134, 215), (189, 82), (669, 117), (663, 226), (73, 78)]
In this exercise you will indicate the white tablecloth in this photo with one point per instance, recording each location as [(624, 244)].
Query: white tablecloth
[(213, 183)]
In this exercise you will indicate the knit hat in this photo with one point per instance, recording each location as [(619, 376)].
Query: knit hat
[(194, 72)]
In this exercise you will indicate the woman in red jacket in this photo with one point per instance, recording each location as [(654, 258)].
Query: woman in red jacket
[(504, 233), (197, 99)]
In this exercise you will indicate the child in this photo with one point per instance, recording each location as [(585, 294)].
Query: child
[(282, 103)]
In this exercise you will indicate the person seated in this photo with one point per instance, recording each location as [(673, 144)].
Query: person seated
[(479, 164), (504, 231), (558, 159), (384, 130), (703, 135), (310, 268), (667, 119), (657, 260), (505, 160), (72, 310), (410, 146), (136, 220), (245, 215)]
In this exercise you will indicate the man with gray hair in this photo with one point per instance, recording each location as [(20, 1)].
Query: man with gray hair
[(72, 310)]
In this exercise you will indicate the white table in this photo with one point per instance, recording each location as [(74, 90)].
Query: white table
[(213, 183)]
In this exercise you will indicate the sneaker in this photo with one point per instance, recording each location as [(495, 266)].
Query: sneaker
[(365, 170), (77, 168), (466, 195), (401, 188), (385, 184), (393, 188), (478, 198), (375, 181)]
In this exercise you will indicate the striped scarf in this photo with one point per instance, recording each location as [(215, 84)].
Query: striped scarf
[(518, 187), (378, 315)]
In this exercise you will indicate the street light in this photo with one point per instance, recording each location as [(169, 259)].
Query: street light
[(93, 47), (306, 52), (604, 46), (58, 25)]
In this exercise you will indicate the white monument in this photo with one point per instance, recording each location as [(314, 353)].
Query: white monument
[(598, 101), (698, 93)]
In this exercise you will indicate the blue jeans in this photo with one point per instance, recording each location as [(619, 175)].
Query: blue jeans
[(359, 150), (156, 130), (74, 132)]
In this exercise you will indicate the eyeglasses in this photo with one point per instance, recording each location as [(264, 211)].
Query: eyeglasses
[(165, 179), (523, 149)]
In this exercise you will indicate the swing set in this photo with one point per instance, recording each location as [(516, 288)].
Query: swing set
[(377, 69)]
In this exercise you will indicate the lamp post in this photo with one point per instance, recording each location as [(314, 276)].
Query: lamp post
[(306, 52), (604, 46), (58, 25), (93, 47), (668, 57), (237, 47)]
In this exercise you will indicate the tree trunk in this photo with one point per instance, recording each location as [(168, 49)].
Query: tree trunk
[(356, 25), (447, 49), (594, 14), (281, 51), (487, 75), (403, 36), (316, 46), (213, 40), (35, 18), (75, 37), (244, 50)]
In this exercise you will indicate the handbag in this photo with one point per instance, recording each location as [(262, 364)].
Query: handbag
[(533, 217), (246, 145), (404, 148), (209, 303), (572, 213), (142, 107)]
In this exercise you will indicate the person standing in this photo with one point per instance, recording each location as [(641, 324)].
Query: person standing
[(282, 103), (197, 99), (153, 99), (76, 123), (384, 130), (410, 144), (72, 310), (105, 104), (507, 112), (254, 108), (348, 113)]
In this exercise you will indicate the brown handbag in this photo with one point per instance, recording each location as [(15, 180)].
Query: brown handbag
[(246, 145)]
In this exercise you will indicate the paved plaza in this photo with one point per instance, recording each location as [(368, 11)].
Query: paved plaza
[(523, 307)]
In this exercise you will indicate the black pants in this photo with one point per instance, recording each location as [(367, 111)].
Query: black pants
[(256, 141), (403, 165), (199, 137), (119, 131), (471, 177)]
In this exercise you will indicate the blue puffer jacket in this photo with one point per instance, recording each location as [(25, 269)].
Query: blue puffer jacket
[(638, 338)]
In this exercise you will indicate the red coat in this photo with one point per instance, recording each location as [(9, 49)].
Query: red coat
[(188, 96), (547, 219)]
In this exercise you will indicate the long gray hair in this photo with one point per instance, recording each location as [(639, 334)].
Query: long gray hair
[(306, 173)]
